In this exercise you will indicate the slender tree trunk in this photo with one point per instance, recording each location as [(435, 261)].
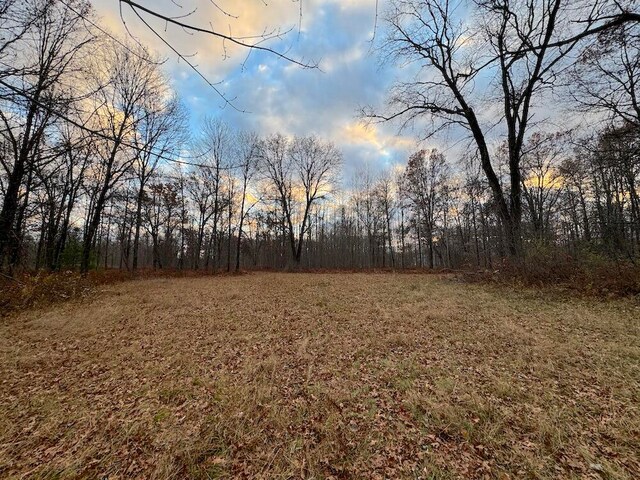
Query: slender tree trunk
[(8, 224), (94, 223), (138, 225), (229, 238), (393, 260), (241, 223)]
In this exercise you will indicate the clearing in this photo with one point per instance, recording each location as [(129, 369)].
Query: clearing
[(271, 375)]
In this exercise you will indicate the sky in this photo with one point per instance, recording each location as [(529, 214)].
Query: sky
[(269, 93)]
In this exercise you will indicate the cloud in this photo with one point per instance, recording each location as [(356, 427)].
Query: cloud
[(363, 135), (277, 96), (279, 21)]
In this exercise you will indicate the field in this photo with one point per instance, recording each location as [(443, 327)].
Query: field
[(341, 376)]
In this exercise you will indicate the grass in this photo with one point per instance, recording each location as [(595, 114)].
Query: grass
[(40, 288), (338, 376)]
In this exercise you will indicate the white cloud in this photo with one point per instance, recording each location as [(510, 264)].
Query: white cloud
[(281, 96)]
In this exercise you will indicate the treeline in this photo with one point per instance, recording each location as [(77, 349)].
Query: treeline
[(100, 170), (272, 203)]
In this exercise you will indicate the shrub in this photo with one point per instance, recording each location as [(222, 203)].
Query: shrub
[(586, 272), (40, 288)]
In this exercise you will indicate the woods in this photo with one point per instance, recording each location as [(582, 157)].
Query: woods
[(102, 166)]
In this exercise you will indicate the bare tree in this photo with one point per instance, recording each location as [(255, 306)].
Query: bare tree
[(203, 185), (247, 145), (61, 181), (541, 180), (315, 163), (125, 83), (215, 145), (160, 134), (607, 75), (384, 196), (426, 177), (522, 58), (40, 82), (16, 19), (300, 172)]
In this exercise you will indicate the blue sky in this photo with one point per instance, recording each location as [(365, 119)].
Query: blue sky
[(279, 96)]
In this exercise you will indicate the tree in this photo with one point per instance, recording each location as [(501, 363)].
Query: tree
[(203, 185), (61, 180), (300, 172), (315, 163), (383, 192), (521, 58), (366, 215), (160, 133), (606, 77), (125, 84), (614, 162), (426, 176), (541, 180), (216, 146), (16, 19), (35, 86), (247, 145)]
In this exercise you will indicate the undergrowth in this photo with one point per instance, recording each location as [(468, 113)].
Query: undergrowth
[(586, 273), (42, 288)]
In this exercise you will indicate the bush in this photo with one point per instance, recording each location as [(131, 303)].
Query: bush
[(36, 289), (27, 290), (587, 272)]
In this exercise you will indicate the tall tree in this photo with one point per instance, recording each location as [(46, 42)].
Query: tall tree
[(301, 173), (160, 134), (39, 84), (247, 145), (426, 177), (125, 82), (520, 48)]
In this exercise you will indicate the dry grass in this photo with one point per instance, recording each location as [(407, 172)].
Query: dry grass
[(321, 376), (41, 288)]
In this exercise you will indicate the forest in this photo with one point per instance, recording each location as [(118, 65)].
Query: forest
[(103, 168)]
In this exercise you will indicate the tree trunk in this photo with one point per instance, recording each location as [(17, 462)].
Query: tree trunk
[(136, 236)]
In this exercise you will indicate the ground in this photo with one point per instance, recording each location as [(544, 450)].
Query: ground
[(271, 375)]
